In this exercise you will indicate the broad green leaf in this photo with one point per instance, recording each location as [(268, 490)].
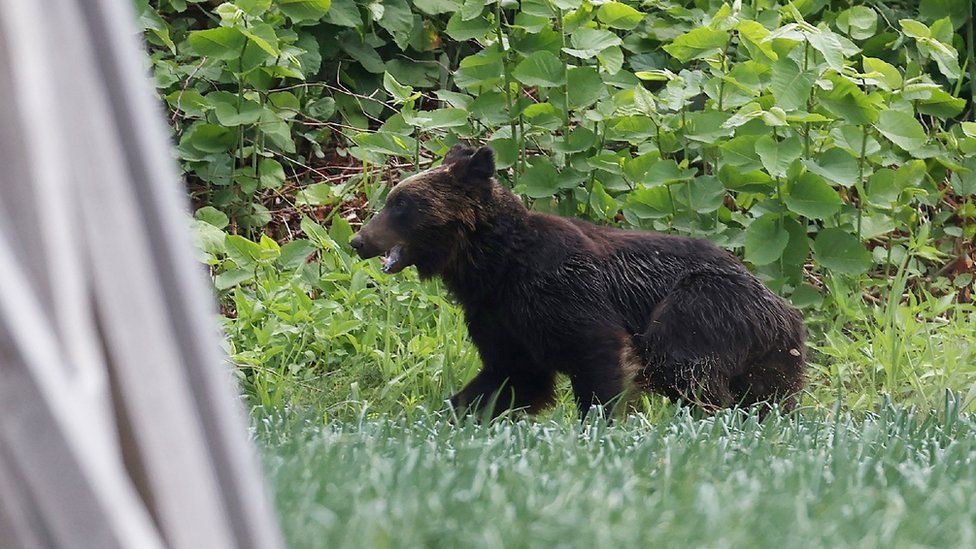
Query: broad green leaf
[(209, 138), (541, 69), (858, 22), (386, 143), (304, 10), (915, 29), (811, 196), (765, 240), (344, 13), (849, 102), (830, 46), (398, 91), (588, 42), (941, 105), (791, 86), (841, 252), (212, 216), (602, 203), (666, 171), (740, 152), (883, 188), (619, 16), (271, 173), (480, 70), (540, 180), (585, 87), (467, 29), (776, 156), (219, 43), (611, 59), (902, 129), (234, 111), (697, 44), (435, 7), (295, 253), (707, 193), (836, 165), (753, 35), (890, 79), (246, 253), (956, 10)]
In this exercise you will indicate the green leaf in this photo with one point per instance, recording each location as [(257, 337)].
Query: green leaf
[(304, 10), (212, 216), (753, 35), (890, 79), (245, 253), (435, 7), (588, 42), (956, 10), (219, 43), (619, 16), (540, 180), (232, 111), (915, 29), (858, 22), (541, 69), (209, 138), (697, 44), (836, 165), (271, 173), (602, 203), (902, 129), (776, 156), (398, 91), (812, 197), (585, 87), (849, 102), (830, 46), (462, 29), (295, 253), (791, 86), (841, 252), (344, 13), (765, 240)]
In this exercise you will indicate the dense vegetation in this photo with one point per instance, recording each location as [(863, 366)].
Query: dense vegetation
[(830, 143)]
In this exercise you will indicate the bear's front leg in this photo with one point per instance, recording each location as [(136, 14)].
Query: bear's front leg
[(495, 392)]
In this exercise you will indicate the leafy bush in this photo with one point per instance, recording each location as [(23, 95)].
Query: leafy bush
[(784, 132)]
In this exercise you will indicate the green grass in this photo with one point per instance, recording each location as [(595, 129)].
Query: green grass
[(898, 479), (354, 367)]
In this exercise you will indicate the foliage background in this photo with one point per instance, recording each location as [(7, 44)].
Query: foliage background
[(829, 143)]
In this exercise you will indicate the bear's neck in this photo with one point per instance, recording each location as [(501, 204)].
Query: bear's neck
[(487, 254)]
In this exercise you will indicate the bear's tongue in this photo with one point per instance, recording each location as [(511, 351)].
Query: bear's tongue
[(391, 261)]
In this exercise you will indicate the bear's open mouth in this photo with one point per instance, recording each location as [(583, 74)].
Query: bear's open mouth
[(393, 260)]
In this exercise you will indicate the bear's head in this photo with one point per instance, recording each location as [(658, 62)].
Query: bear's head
[(428, 217)]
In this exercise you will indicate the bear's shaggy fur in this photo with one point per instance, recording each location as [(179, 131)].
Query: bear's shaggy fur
[(609, 308)]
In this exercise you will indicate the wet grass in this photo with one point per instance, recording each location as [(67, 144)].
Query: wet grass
[(816, 479)]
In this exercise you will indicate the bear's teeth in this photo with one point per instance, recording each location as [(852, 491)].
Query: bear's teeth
[(391, 258)]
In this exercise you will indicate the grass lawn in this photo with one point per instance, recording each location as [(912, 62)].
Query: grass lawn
[(817, 479), (353, 368)]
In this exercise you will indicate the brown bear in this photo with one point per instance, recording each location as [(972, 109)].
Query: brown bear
[(609, 308)]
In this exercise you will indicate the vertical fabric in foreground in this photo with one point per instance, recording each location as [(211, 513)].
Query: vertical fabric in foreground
[(118, 425)]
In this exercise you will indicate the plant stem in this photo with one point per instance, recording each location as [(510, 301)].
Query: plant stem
[(860, 177), (970, 39), (508, 80)]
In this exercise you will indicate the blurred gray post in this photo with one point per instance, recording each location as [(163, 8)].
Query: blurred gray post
[(118, 424)]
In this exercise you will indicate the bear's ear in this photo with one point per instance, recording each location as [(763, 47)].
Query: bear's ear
[(479, 166), (457, 152)]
